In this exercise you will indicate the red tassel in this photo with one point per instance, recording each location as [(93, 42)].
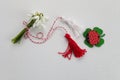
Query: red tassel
[(72, 48)]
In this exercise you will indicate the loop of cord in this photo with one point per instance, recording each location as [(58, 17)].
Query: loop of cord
[(40, 35), (72, 48)]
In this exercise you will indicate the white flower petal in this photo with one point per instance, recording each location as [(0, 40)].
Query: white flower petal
[(46, 18), (38, 23), (41, 26), (34, 26)]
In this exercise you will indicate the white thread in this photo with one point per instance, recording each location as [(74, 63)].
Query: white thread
[(73, 27)]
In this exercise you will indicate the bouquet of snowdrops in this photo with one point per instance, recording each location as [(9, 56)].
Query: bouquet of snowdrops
[(37, 19)]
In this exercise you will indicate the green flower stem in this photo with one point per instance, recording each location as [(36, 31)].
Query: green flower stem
[(19, 36)]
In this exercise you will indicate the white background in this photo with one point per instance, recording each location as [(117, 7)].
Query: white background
[(28, 61)]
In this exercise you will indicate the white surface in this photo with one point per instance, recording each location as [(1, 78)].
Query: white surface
[(28, 61)]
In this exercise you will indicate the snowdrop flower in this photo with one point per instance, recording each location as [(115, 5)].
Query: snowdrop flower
[(40, 20), (36, 19)]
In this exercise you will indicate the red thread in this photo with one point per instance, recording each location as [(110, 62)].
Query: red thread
[(43, 39), (72, 45), (72, 48)]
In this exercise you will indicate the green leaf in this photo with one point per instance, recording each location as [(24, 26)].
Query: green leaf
[(18, 37), (101, 42), (86, 32), (102, 35), (89, 45), (100, 31)]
